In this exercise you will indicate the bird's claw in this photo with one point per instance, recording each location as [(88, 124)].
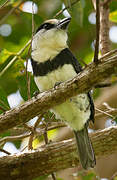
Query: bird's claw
[(57, 83), (35, 93)]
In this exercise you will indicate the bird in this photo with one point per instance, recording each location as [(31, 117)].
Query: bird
[(53, 63)]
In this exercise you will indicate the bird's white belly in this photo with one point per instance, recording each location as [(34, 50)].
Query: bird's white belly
[(61, 74), (76, 110)]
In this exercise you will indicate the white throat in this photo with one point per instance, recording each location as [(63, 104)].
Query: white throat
[(46, 45)]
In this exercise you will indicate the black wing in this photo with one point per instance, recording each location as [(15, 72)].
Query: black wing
[(78, 69), (72, 60)]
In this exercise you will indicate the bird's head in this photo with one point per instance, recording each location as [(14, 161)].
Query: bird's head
[(51, 34)]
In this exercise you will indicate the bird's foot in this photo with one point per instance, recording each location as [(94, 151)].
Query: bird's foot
[(57, 84), (35, 93)]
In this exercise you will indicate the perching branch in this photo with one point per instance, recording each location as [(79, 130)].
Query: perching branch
[(19, 134), (83, 82), (55, 156)]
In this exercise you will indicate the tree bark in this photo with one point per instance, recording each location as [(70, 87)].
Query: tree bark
[(54, 156), (83, 82), (104, 28)]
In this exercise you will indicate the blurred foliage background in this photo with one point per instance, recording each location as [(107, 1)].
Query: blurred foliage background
[(16, 31)]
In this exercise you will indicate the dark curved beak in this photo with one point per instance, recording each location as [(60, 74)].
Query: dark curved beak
[(63, 24)]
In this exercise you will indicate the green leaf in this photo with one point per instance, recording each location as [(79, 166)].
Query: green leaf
[(115, 119), (76, 10), (13, 1), (3, 99), (113, 6), (5, 134), (22, 83), (10, 2), (2, 2), (17, 143), (41, 178), (52, 134), (89, 177), (17, 68), (4, 55), (9, 81), (115, 178), (83, 3), (113, 16), (89, 57)]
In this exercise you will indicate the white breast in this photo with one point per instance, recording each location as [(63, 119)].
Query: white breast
[(47, 44), (76, 110), (62, 74)]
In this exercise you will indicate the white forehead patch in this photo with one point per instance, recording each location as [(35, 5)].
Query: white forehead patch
[(52, 21)]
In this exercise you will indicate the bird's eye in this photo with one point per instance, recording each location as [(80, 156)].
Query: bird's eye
[(48, 26), (45, 26)]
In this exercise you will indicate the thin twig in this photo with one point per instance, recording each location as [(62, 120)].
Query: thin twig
[(3, 109), (108, 107), (28, 82), (28, 127), (107, 113), (108, 54), (39, 129), (46, 142), (28, 78), (103, 85), (83, 62), (14, 138), (4, 151), (23, 148), (53, 176), (10, 12), (67, 7), (30, 141), (33, 28), (4, 4), (15, 58), (45, 133), (38, 121), (27, 74), (97, 32), (6, 107), (103, 112), (105, 2), (33, 131), (114, 176), (17, 131)]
